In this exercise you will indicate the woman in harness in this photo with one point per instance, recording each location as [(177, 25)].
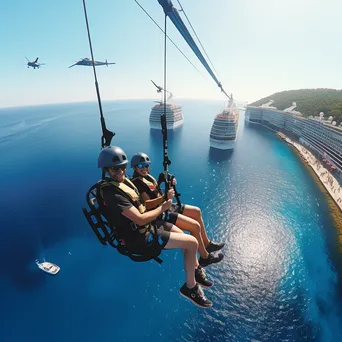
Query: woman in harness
[(139, 229), (186, 217)]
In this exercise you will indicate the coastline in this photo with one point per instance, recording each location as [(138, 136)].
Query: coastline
[(325, 180)]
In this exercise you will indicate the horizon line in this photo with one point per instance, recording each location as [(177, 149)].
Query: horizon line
[(110, 100)]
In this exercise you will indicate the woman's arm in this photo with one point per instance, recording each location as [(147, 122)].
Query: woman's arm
[(141, 219), (152, 203)]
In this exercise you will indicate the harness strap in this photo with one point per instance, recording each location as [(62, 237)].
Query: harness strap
[(161, 179)]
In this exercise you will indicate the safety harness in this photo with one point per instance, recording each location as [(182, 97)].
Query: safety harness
[(149, 184), (105, 231), (152, 186)]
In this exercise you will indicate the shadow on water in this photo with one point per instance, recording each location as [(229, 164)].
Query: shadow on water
[(219, 155), (40, 212), (26, 242), (156, 134), (173, 140), (20, 249)]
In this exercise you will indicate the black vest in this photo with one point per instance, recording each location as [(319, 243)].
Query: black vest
[(148, 184)]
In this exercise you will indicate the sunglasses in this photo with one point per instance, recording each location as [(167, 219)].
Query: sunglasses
[(140, 166), (117, 169)]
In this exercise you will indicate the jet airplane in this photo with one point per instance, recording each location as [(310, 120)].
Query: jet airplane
[(34, 64), (88, 62)]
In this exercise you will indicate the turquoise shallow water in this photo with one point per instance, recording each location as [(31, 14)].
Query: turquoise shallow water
[(279, 280)]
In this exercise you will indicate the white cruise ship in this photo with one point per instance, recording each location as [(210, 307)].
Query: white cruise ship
[(174, 115), (225, 128)]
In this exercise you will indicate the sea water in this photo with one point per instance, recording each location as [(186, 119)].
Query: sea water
[(279, 280)]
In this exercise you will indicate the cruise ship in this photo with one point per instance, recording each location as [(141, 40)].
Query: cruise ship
[(225, 128), (174, 115), (322, 136)]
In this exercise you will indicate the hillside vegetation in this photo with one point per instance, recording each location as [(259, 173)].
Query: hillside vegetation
[(309, 102)]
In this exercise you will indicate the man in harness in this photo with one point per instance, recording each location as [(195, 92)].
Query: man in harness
[(186, 217), (140, 230)]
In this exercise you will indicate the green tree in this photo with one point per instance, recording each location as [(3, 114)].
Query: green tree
[(309, 101)]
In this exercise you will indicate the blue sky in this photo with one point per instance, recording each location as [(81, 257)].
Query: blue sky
[(257, 47)]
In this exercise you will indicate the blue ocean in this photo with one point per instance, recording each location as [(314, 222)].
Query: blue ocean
[(280, 279)]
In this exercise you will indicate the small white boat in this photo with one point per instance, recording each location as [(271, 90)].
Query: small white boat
[(48, 267)]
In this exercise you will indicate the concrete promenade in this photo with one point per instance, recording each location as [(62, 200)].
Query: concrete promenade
[(327, 179)]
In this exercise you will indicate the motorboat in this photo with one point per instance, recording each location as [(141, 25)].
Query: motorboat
[(48, 267)]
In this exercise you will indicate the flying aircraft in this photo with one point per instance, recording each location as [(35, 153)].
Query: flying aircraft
[(34, 64), (159, 88), (88, 62)]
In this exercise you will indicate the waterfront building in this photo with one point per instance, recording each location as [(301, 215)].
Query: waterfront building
[(322, 136)]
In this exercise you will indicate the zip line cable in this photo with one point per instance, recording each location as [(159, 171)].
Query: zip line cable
[(182, 10), (168, 37), (106, 134), (174, 16)]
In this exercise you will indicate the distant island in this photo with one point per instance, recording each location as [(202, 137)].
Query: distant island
[(309, 102)]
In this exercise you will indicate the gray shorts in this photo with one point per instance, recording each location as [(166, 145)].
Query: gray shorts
[(175, 208), (158, 237), (170, 217)]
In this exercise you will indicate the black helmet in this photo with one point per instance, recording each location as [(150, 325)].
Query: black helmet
[(139, 158), (112, 156)]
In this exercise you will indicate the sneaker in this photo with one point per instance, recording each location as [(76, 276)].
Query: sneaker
[(213, 258), (201, 277), (214, 246), (196, 295)]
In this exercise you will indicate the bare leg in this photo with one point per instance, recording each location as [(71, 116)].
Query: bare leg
[(189, 245), (196, 214), (192, 226), (175, 229)]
